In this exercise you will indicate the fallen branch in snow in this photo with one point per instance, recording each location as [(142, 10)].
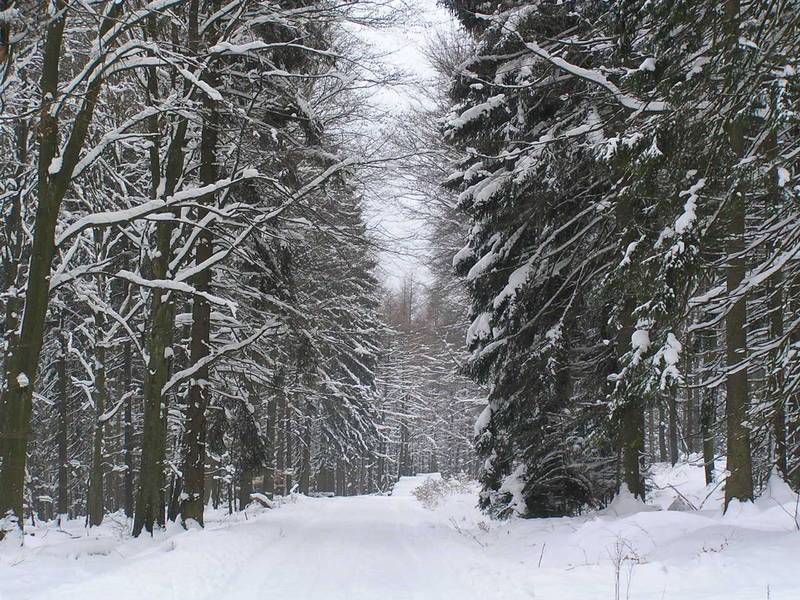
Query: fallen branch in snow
[(684, 498), (466, 533), (262, 500), (714, 489)]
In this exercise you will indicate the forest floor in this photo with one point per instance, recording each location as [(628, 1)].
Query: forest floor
[(392, 548)]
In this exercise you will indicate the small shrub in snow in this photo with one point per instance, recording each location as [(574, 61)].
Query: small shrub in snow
[(118, 524), (432, 491)]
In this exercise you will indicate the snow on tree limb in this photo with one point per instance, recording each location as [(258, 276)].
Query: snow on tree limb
[(596, 77), (187, 373)]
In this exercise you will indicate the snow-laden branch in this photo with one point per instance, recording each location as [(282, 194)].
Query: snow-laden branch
[(187, 373), (111, 137), (173, 286), (117, 217), (596, 77), (97, 68), (107, 416)]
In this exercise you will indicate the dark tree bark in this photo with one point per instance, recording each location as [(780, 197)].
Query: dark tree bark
[(199, 391), (63, 428), (740, 481), (270, 447), (288, 439), (662, 433), (149, 497), (739, 485), (95, 501), (280, 446), (630, 417), (690, 429), (673, 428), (22, 357), (128, 430), (245, 487), (305, 458), (776, 377)]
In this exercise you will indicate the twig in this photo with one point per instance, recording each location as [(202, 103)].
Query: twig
[(466, 533), (714, 489), (685, 499)]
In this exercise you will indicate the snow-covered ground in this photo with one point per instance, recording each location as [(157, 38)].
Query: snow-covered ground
[(390, 547)]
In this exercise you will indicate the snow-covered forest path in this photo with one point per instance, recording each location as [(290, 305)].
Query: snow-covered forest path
[(352, 548), (364, 547), (392, 548)]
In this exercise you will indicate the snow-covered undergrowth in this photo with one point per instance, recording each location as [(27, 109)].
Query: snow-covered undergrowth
[(392, 547), (678, 546)]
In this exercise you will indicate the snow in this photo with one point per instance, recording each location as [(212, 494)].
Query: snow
[(599, 79), (462, 255), (649, 64), (483, 420), (405, 486), (514, 484), (368, 547), (22, 380), (481, 328), (783, 177), (670, 354), (210, 91), (55, 165), (516, 280), (640, 340), (475, 112), (262, 499), (685, 220), (626, 504), (228, 48)]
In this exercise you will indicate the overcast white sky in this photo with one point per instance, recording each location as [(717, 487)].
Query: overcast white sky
[(404, 45)]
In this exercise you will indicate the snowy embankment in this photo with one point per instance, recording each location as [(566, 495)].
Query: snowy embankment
[(390, 547)]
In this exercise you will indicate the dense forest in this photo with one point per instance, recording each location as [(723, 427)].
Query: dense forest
[(193, 309), (191, 306), (629, 170)]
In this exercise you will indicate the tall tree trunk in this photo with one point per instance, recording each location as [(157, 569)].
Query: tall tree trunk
[(149, 508), (199, 391), (630, 417), (22, 357), (630, 424), (151, 470), (280, 446), (662, 433), (270, 446), (690, 429), (739, 484), (288, 440), (245, 487), (94, 502), (305, 458), (793, 401), (673, 428), (22, 354), (63, 429), (128, 429), (776, 377)]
